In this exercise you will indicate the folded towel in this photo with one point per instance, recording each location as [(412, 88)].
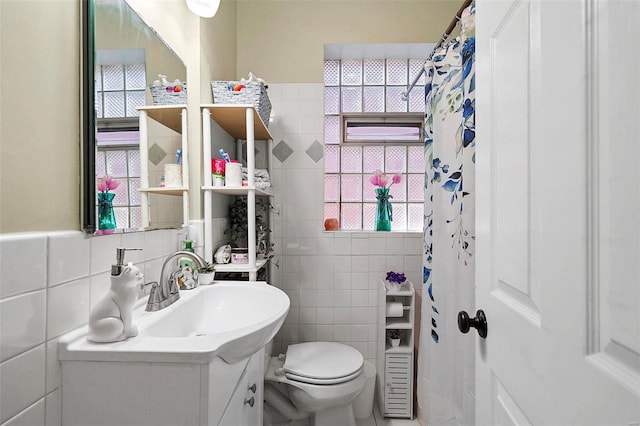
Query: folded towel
[(260, 175)]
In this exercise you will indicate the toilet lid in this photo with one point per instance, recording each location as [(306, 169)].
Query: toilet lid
[(322, 362)]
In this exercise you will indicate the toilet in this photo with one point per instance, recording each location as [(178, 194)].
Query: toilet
[(318, 380)]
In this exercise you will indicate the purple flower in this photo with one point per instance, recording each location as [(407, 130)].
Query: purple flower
[(394, 277)]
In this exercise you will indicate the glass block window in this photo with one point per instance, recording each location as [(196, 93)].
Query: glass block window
[(372, 88), (121, 161), (120, 89)]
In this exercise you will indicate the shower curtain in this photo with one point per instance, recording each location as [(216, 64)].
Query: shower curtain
[(446, 373)]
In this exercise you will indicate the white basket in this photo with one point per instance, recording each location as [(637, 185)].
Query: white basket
[(162, 96), (254, 93)]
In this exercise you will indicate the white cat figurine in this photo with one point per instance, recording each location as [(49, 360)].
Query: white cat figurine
[(111, 319)]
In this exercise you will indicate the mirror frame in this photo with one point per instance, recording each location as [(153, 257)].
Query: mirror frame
[(88, 117)]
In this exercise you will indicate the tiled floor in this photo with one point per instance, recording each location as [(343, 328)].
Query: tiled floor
[(376, 419)]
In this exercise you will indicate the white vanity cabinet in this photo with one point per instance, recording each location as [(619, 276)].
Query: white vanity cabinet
[(243, 123), (163, 393)]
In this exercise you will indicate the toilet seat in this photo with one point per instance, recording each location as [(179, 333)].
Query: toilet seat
[(322, 363)]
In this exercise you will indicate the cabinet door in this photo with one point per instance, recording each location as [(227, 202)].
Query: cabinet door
[(398, 395), (245, 405), (254, 389), (234, 414)]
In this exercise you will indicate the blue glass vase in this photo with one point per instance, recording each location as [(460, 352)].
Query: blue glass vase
[(106, 217), (384, 213)]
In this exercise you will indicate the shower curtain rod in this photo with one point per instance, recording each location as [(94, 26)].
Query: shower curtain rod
[(445, 36)]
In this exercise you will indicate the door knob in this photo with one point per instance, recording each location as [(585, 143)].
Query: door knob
[(479, 322), (250, 401)]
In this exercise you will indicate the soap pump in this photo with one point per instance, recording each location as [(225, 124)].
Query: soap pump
[(111, 319), (116, 269)]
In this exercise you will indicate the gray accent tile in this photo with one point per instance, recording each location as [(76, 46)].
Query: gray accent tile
[(315, 151), (282, 151), (156, 154)]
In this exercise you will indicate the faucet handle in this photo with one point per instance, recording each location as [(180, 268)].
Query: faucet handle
[(173, 283), (153, 284)]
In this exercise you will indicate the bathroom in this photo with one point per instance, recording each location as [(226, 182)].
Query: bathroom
[(52, 275)]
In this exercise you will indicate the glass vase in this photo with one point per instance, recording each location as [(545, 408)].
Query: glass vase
[(384, 213), (106, 217)]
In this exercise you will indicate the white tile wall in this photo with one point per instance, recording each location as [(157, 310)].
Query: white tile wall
[(331, 277), (48, 284)]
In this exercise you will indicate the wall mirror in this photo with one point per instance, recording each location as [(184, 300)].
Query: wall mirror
[(122, 57)]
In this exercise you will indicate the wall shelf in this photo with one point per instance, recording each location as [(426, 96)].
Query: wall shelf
[(403, 324), (167, 115), (236, 190), (165, 190), (235, 267), (232, 119)]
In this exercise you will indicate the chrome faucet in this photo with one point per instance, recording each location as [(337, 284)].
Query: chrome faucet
[(166, 292)]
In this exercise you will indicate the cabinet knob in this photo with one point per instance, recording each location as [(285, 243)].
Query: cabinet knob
[(253, 388), (250, 401)]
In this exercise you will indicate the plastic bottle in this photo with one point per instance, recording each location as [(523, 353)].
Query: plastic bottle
[(187, 245), (187, 273)]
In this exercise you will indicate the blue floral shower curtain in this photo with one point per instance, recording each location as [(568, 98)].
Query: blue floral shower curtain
[(446, 356)]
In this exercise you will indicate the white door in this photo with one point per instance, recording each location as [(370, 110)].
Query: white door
[(558, 212)]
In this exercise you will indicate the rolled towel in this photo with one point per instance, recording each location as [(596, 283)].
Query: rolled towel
[(394, 309)]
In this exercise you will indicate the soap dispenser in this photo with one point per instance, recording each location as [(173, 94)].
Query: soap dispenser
[(111, 319)]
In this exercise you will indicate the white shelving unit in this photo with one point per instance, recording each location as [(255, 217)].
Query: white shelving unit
[(397, 378), (242, 122), (174, 117)]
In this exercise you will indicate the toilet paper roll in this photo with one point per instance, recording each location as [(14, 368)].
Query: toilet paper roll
[(172, 175), (394, 309)]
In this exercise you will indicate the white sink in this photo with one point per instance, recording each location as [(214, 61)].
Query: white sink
[(228, 319)]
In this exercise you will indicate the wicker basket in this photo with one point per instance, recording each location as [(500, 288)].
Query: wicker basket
[(166, 94), (254, 93)]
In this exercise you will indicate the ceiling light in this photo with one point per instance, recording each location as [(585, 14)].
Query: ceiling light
[(204, 8)]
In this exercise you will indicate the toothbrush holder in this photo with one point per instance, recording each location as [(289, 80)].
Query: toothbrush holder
[(172, 175)]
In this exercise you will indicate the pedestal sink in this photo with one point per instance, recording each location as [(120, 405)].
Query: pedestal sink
[(199, 361)]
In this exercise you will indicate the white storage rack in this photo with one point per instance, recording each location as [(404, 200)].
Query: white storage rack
[(242, 122)]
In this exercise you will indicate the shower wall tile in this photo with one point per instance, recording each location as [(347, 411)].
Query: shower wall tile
[(33, 415), (103, 252), (69, 306), (22, 383), (22, 264), (333, 277), (53, 378), (22, 323), (54, 408), (68, 257)]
